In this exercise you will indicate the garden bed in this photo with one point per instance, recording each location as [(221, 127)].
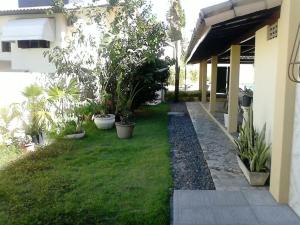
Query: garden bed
[(190, 170), (97, 180)]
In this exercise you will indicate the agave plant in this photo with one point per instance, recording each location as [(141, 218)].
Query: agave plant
[(252, 147)]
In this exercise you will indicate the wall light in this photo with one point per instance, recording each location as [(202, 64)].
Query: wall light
[(294, 66)]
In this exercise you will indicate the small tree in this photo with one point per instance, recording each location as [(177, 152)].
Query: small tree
[(176, 19), (111, 57)]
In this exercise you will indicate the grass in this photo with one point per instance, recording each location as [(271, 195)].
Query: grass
[(7, 155), (97, 180)]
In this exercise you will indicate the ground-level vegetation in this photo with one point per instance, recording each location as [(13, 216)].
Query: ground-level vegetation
[(96, 180)]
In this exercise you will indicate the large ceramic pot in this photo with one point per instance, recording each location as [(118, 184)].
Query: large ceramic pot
[(28, 147), (254, 178), (246, 101), (226, 119), (39, 139), (124, 131), (75, 136), (104, 122)]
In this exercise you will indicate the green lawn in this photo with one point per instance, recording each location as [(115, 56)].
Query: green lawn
[(7, 155), (97, 180)]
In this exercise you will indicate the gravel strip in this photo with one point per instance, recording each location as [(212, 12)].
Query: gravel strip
[(190, 170)]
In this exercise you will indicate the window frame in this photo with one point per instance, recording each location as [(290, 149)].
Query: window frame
[(33, 44), (5, 46)]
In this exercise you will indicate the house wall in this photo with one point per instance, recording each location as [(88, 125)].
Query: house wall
[(266, 52), (295, 164), (32, 60)]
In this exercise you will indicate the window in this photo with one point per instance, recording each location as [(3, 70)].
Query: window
[(34, 44), (272, 31), (6, 46)]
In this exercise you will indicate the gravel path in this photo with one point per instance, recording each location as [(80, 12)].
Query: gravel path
[(190, 170)]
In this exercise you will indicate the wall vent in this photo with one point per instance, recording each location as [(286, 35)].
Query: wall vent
[(272, 31)]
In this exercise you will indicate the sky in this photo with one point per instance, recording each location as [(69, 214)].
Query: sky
[(191, 8), (160, 7)]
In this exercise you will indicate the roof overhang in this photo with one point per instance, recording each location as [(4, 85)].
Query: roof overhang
[(230, 22), (29, 29)]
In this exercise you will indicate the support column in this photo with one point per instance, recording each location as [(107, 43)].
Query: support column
[(284, 106), (213, 88), (235, 54), (200, 77), (203, 81)]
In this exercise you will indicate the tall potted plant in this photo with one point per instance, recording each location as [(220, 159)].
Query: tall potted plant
[(39, 116), (102, 118), (125, 124), (247, 97), (253, 153)]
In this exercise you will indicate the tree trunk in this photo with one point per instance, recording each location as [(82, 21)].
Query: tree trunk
[(177, 72)]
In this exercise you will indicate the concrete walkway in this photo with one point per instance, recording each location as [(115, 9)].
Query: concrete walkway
[(234, 202), (218, 151), (249, 207)]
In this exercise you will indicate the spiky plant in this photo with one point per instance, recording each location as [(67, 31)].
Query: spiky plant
[(252, 147)]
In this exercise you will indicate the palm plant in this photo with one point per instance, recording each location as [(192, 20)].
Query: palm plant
[(8, 115), (39, 117), (62, 95)]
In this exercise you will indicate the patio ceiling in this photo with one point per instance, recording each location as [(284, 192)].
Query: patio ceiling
[(214, 33)]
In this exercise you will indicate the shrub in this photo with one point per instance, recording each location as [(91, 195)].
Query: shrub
[(150, 78)]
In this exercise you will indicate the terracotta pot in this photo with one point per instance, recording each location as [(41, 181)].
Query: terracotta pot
[(104, 123), (125, 131)]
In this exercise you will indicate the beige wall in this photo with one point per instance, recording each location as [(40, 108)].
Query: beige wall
[(295, 164), (266, 52), (284, 106)]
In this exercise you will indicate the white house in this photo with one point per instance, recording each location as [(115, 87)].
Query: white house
[(25, 33)]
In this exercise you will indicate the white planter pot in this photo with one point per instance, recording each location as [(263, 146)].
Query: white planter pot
[(75, 136), (104, 123), (29, 147), (124, 131), (254, 178), (226, 119)]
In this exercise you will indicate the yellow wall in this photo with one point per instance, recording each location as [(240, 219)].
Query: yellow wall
[(266, 52), (284, 106)]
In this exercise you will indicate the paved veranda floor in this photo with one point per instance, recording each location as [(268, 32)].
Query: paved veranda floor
[(234, 202), (248, 207)]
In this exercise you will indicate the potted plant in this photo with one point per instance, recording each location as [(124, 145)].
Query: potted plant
[(73, 128), (253, 153), (102, 119), (125, 124), (247, 97), (27, 144), (226, 116), (39, 116)]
